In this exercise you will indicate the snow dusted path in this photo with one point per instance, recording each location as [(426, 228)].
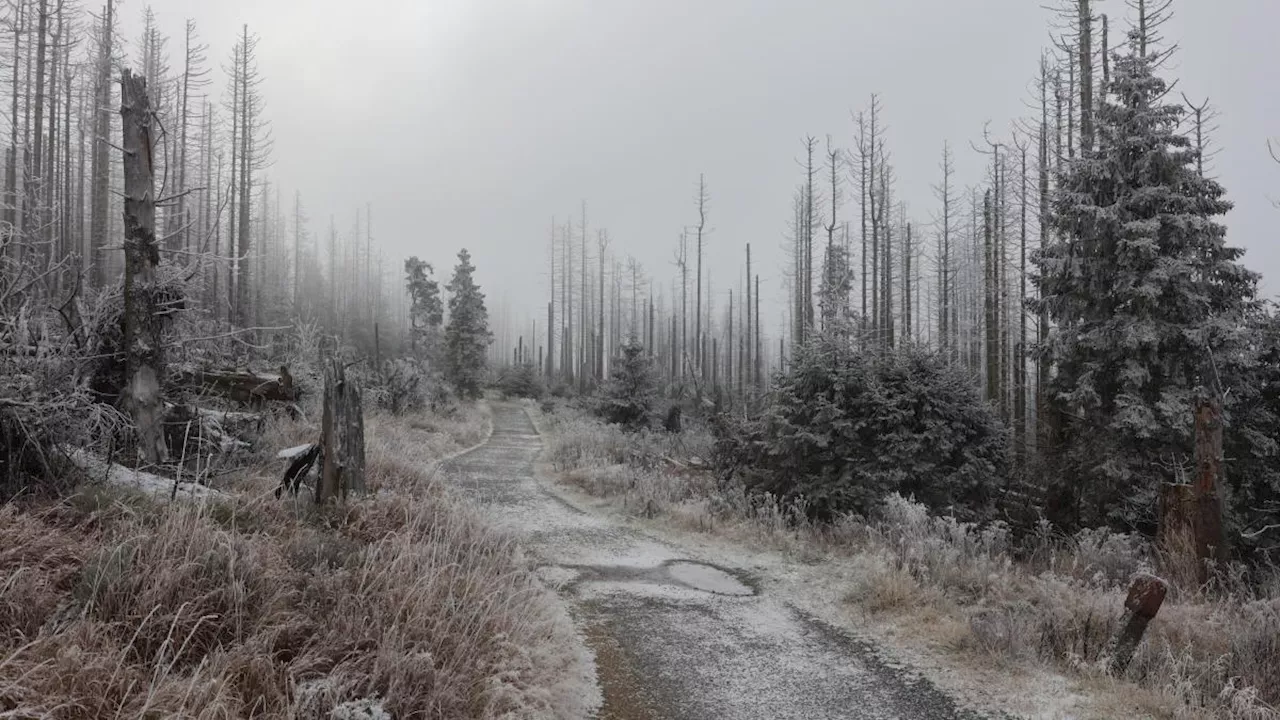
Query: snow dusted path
[(676, 637)]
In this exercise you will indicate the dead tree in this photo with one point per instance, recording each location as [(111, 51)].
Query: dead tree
[(1191, 515), (697, 312), (1085, 49), (99, 165), (551, 308), (143, 314), (341, 437), (945, 277)]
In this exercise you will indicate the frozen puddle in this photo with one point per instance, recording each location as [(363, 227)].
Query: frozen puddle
[(680, 575), (706, 578)]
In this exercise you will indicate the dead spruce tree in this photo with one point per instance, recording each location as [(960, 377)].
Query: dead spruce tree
[(144, 309)]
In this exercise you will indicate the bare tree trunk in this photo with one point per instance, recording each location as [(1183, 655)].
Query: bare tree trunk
[(570, 370), (684, 304), (1042, 320), (1106, 59), (945, 329), (100, 162), (759, 349), (34, 182), (297, 254), (886, 303), (181, 232), (244, 285), (551, 304), (233, 191), (1002, 282), (603, 240), (583, 321), (69, 246), (85, 260), (11, 154), (875, 225), (697, 312), (143, 316), (906, 286), (989, 302), (749, 354), (342, 437), (1086, 77), (1020, 354)]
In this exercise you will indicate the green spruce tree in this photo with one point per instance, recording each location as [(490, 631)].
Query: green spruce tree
[(1144, 293), (627, 398), (467, 335), (426, 311)]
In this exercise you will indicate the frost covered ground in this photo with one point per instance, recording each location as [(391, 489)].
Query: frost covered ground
[(687, 630), (117, 603)]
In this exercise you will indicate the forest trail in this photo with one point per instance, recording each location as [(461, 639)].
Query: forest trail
[(676, 637)]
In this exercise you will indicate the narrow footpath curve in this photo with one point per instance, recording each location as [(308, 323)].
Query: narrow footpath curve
[(676, 638)]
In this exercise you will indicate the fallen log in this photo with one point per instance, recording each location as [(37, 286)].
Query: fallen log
[(117, 475), (241, 386), (190, 430)]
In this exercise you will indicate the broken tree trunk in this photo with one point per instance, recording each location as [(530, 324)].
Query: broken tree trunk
[(239, 385), (143, 319), (1146, 595), (301, 459), (1210, 545), (1190, 531), (341, 437)]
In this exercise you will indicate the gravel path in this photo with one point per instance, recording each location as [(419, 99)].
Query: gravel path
[(676, 637)]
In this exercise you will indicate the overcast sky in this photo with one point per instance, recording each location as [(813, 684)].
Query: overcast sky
[(472, 122)]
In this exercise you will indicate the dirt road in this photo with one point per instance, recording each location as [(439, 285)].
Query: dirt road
[(674, 636)]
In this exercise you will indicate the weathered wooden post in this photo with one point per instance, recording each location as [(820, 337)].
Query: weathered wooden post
[(1146, 595), (143, 320), (341, 436)]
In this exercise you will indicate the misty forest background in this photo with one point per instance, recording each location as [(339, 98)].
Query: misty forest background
[(1034, 347)]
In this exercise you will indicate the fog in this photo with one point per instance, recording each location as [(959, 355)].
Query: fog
[(473, 123)]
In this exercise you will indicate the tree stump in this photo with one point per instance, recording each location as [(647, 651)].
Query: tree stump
[(341, 436), (1146, 595)]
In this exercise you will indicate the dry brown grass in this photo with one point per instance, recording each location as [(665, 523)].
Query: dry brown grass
[(118, 606), (1211, 652)]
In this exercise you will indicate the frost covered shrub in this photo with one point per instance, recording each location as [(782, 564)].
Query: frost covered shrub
[(844, 429), (400, 388), (521, 381)]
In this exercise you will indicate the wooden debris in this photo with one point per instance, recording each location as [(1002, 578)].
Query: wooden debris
[(303, 459)]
